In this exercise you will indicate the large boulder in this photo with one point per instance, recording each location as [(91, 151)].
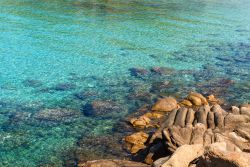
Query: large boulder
[(184, 155), (165, 105), (220, 155), (197, 99)]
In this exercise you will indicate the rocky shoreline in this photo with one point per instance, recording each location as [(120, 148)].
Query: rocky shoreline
[(195, 131)]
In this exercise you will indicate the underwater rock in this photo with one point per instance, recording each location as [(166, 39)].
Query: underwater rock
[(32, 83), (162, 70), (91, 147), (138, 72), (85, 94), (141, 96), (64, 87), (166, 104), (160, 86), (55, 115), (100, 108)]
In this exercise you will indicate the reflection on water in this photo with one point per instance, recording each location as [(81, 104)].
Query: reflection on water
[(72, 70)]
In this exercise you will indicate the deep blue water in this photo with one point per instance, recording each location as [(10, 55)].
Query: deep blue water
[(64, 54)]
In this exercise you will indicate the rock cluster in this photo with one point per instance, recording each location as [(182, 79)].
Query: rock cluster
[(197, 131)]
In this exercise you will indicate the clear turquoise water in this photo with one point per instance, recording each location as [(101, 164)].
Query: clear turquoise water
[(90, 46)]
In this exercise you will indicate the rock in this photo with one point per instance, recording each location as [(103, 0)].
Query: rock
[(55, 115), (166, 104), (100, 108), (181, 117), (245, 111), (235, 110), (184, 155), (186, 103), (201, 114), (135, 142), (167, 123), (218, 155), (210, 120), (212, 99), (154, 115), (160, 161), (217, 109), (140, 122), (197, 99), (155, 152), (219, 120), (197, 134), (112, 163), (180, 136), (245, 105), (190, 117), (231, 120), (138, 72)]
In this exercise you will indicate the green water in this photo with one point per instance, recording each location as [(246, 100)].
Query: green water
[(52, 51)]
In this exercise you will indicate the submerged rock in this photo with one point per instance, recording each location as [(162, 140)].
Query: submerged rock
[(138, 72), (64, 87), (85, 94), (55, 115), (162, 70), (100, 108), (160, 86), (32, 83)]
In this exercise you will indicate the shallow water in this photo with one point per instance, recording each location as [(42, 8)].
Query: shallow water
[(66, 53)]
